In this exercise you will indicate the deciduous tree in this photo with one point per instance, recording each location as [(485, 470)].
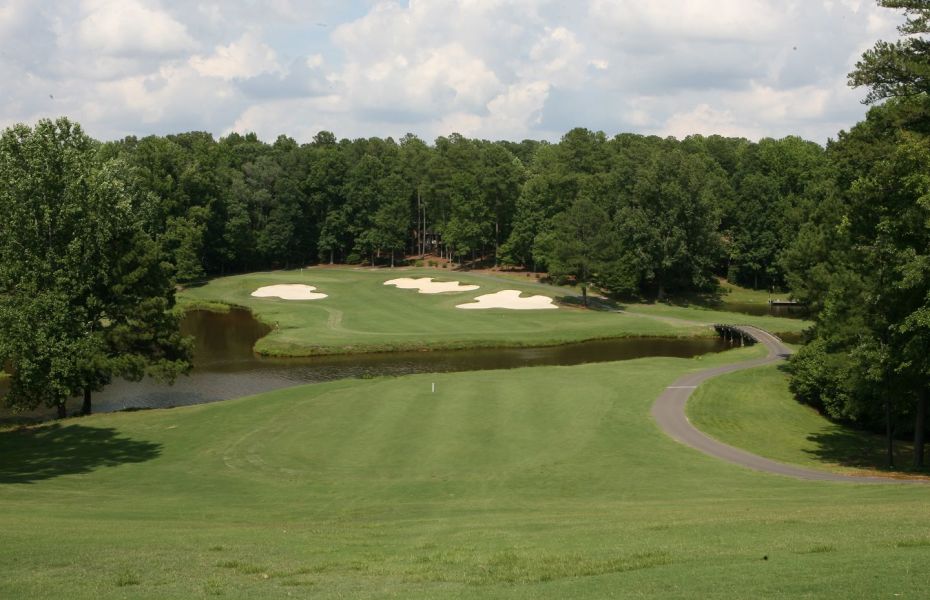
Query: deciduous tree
[(84, 292)]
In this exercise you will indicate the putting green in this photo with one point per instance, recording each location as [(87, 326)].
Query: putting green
[(361, 314), (532, 483)]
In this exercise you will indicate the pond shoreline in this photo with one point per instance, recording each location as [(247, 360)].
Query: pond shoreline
[(226, 366), (700, 331)]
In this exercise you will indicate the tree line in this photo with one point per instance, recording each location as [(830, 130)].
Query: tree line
[(862, 262), (670, 213), (96, 235)]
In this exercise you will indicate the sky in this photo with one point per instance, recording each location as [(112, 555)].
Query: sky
[(492, 69)]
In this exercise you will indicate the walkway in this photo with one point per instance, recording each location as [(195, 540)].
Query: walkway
[(669, 413)]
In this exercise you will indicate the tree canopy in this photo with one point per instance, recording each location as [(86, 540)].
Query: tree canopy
[(863, 261), (898, 68), (677, 209), (84, 292)]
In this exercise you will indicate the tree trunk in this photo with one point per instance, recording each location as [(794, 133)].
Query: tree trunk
[(497, 240), (331, 252), (889, 433), (660, 295), (421, 225), (392, 258), (920, 429), (85, 407), (62, 412), (584, 295)]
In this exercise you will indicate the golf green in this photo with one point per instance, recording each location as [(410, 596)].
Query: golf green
[(361, 314)]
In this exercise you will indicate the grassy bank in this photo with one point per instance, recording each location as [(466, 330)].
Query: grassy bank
[(361, 314), (700, 314), (534, 483), (755, 410), (185, 303), (732, 292)]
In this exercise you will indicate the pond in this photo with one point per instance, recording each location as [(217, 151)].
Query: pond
[(788, 311), (226, 367)]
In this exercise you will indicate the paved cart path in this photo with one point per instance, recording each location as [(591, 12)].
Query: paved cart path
[(669, 413)]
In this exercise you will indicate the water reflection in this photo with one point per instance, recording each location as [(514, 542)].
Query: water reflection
[(787, 311), (225, 366)]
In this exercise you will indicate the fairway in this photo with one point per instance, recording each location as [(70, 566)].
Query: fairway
[(361, 314), (547, 482), (775, 425)]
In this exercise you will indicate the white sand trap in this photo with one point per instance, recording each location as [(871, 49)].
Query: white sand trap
[(510, 299), (426, 285), (291, 291)]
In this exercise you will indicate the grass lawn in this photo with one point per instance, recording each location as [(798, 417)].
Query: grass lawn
[(700, 314), (735, 293), (362, 314), (549, 482), (756, 411)]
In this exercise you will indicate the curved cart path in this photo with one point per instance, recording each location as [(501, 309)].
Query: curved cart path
[(669, 413)]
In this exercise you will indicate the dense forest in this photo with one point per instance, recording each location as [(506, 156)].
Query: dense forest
[(669, 214)]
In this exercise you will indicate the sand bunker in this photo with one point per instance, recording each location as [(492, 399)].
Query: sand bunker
[(426, 285), (510, 299), (292, 291)]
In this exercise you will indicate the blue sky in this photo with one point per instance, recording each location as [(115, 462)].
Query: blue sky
[(487, 68)]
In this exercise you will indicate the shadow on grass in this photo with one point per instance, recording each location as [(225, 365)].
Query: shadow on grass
[(710, 300), (860, 450), (33, 454), (594, 303)]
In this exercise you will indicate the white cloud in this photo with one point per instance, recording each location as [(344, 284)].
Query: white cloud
[(166, 97), (297, 117), (130, 28), (445, 78), (769, 104), (245, 57), (557, 54), (488, 68), (707, 120), (508, 116), (517, 110), (663, 22)]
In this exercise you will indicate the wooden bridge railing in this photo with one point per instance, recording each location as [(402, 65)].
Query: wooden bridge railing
[(735, 333)]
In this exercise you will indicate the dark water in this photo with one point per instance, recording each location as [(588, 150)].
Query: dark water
[(762, 310), (225, 366)]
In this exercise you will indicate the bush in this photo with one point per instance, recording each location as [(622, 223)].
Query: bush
[(733, 274), (827, 381)]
